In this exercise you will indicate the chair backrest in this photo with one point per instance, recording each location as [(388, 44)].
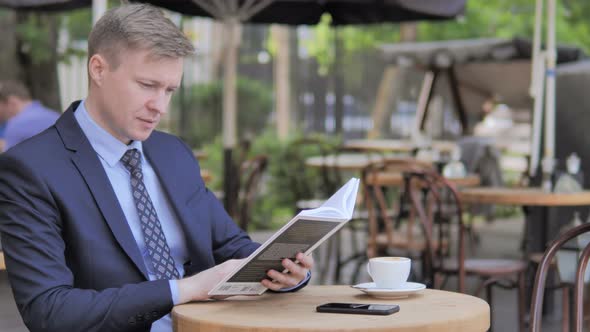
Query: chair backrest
[(251, 173), (430, 194), (541, 277), (377, 178)]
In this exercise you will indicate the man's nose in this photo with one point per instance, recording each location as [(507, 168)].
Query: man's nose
[(159, 103)]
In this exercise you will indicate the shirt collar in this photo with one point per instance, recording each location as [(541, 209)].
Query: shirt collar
[(106, 145)]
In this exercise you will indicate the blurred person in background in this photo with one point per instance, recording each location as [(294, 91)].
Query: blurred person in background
[(2, 142), (21, 116)]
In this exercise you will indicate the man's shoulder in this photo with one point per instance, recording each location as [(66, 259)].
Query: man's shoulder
[(160, 139), (45, 144)]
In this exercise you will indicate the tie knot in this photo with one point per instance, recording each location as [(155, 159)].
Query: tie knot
[(132, 160)]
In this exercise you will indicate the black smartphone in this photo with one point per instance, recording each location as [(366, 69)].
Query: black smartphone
[(358, 308)]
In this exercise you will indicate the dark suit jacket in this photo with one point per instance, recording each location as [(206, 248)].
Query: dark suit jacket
[(72, 260)]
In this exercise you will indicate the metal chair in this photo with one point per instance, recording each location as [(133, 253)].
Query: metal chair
[(429, 193), (541, 277), (379, 180)]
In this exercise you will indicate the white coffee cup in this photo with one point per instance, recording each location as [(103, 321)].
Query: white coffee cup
[(389, 272)]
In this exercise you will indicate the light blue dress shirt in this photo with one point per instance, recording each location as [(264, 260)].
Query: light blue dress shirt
[(110, 150)]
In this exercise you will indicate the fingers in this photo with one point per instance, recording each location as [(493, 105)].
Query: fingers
[(297, 273), (305, 260)]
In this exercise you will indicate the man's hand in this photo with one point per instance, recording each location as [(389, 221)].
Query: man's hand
[(195, 288), (297, 273)]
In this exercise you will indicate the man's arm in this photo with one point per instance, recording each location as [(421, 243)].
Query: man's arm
[(31, 225)]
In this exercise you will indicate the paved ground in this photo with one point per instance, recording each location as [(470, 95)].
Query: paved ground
[(499, 239)]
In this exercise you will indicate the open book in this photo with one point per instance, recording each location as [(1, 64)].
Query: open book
[(305, 232)]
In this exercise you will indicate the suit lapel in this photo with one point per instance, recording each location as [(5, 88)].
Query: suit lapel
[(178, 186), (166, 167), (86, 161)]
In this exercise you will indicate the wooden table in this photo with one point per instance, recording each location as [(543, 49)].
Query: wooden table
[(351, 161), (523, 196), (396, 145), (538, 231), (430, 310), (397, 179), (344, 161), (2, 264), (388, 145), (526, 197)]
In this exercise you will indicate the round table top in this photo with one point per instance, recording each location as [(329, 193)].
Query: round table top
[(344, 161), (354, 161), (396, 145), (523, 196), (396, 179), (429, 310), (381, 145)]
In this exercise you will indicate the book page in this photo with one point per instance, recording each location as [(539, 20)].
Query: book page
[(298, 238), (303, 233), (341, 204)]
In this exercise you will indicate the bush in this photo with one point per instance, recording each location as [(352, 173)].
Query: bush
[(203, 103), (276, 203)]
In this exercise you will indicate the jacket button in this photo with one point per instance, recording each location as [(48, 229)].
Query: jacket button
[(131, 320)]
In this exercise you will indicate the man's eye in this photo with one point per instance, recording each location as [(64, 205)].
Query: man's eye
[(146, 85)]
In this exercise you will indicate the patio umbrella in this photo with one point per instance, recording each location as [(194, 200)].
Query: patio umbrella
[(45, 5), (292, 12)]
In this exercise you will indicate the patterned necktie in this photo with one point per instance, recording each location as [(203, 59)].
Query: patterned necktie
[(154, 237)]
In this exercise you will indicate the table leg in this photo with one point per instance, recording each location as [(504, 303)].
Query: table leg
[(537, 228)]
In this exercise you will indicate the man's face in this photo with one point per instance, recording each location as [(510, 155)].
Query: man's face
[(132, 98)]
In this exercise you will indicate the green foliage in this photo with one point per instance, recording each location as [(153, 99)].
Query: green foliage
[(511, 18), (79, 23), (353, 39), (482, 19), (204, 106), (35, 37), (276, 203), (321, 46)]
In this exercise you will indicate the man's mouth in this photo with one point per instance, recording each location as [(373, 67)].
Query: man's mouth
[(150, 121)]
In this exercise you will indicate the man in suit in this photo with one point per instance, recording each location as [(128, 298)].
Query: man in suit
[(106, 223)]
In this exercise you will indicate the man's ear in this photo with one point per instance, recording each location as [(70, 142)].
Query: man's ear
[(97, 67)]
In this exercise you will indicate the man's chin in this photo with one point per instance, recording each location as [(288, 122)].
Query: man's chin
[(142, 136)]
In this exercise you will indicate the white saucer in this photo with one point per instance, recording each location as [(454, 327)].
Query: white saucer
[(405, 290)]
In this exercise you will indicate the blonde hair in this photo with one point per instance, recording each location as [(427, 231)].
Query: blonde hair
[(137, 27)]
